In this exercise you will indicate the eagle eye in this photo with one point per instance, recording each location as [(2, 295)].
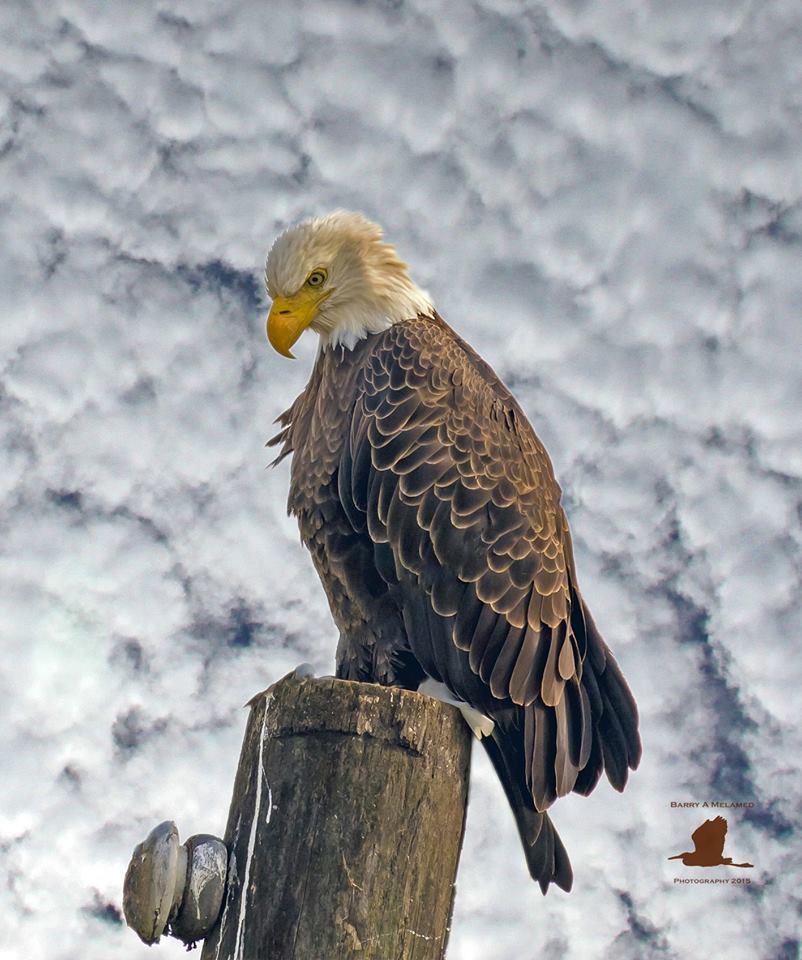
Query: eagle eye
[(316, 278)]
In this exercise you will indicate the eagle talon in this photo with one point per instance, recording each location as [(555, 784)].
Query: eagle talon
[(481, 725)]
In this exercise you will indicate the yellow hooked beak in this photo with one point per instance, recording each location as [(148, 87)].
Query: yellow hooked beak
[(290, 316)]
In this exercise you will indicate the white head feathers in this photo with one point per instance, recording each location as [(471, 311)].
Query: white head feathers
[(368, 285)]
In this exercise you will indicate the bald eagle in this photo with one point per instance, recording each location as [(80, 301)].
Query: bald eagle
[(433, 518)]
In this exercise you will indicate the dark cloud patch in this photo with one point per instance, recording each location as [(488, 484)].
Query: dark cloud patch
[(783, 229), (146, 523), (143, 391), (22, 116), (103, 910), (554, 949), (301, 172), (769, 819), (71, 777), (52, 252), (72, 500), (132, 729), (642, 940), (681, 92), (129, 654), (222, 278), (240, 626), (691, 619), (75, 502), (732, 440), (16, 446), (789, 950), (732, 774), (758, 214), (724, 755), (175, 22)]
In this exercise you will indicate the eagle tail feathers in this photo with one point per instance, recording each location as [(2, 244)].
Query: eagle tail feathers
[(546, 857)]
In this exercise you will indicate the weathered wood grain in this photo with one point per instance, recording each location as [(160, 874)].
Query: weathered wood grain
[(345, 826)]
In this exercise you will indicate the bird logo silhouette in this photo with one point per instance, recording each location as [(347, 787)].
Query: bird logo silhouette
[(708, 846)]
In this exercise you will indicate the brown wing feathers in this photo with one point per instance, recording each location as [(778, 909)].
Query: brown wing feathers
[(442, 465)]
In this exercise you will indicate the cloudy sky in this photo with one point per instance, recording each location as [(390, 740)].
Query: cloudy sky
[(605, 198)]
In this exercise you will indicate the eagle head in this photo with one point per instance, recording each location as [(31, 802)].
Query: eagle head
[(337, 275)]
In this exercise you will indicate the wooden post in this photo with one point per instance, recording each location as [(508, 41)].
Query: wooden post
[(345, 826)]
